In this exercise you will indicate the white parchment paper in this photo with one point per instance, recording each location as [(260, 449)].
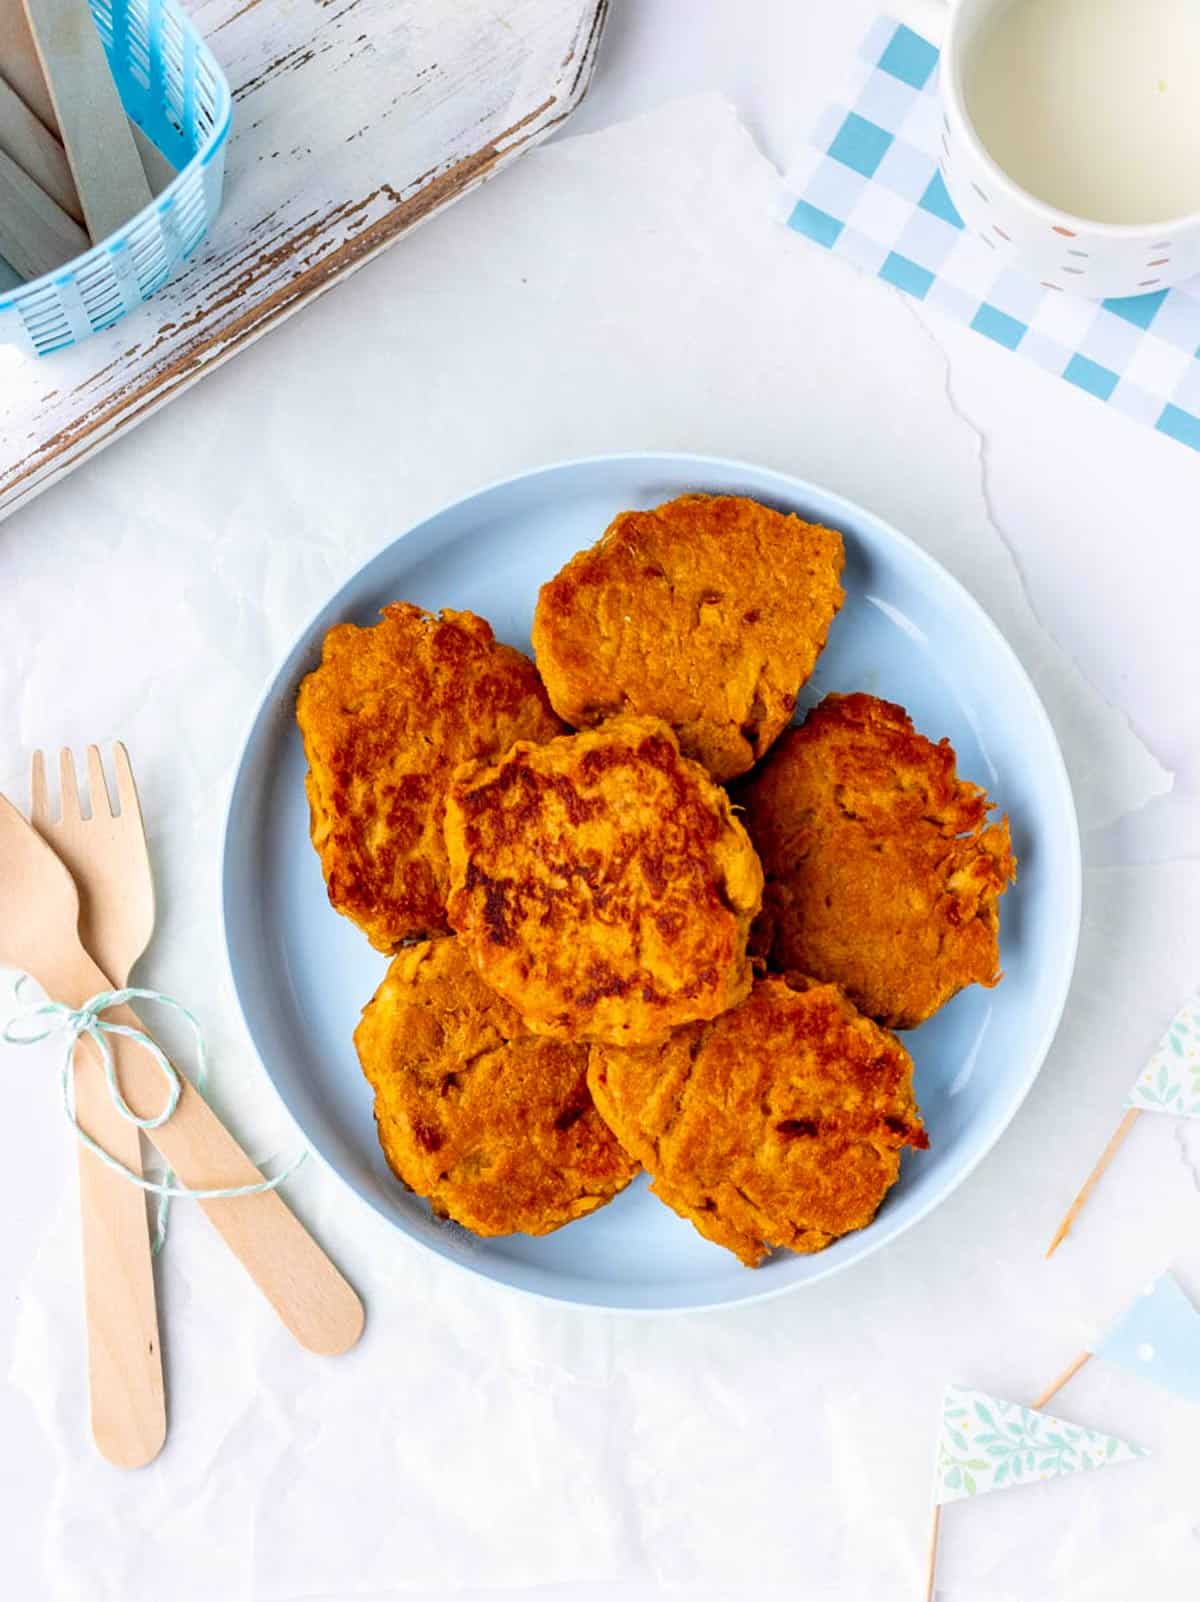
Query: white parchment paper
[(624, 290)]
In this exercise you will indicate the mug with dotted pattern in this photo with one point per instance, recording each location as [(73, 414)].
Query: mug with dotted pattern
[(1063, 251)]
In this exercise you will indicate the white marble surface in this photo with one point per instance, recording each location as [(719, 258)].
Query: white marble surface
[(613, 292)]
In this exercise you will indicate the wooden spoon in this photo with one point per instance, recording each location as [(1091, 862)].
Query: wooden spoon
[(39, 918)]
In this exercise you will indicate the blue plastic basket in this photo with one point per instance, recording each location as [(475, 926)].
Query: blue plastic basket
[(171, 86)]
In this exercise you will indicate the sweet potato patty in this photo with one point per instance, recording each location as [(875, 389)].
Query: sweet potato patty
[(708, 612), (386, 718), (602, 884), (883, 873), (778, 1124), (494, 1125)]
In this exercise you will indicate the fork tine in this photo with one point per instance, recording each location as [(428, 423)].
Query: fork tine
[(68, 785), (39, 792), (126, 788), (98, 784)]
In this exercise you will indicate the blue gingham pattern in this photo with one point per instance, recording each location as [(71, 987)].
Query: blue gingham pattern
[(868, 189)]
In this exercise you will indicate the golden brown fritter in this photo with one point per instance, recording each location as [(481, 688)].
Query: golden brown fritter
[(883, 873), (602, 884), (494, 1125), (708, 612), (777, 1124), (386, 718)]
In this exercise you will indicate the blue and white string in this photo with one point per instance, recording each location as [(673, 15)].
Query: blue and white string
[(88, 1020)]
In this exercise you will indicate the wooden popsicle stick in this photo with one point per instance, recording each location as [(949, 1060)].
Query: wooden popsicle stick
[(931, 1572), (1056, 1385), (95, 132), (308, 1293), (35, 235), (1090, 1183), (125, 1378), (37, 152), (159, 171), (19, 64)]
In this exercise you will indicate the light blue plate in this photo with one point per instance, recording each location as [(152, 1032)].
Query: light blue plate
[(907, 631)]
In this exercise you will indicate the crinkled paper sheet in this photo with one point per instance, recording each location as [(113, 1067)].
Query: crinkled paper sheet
[(623, 290)]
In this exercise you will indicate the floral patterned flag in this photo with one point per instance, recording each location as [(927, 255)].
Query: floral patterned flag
[(1158, 1337), (1170, 1081), (986, 1444)]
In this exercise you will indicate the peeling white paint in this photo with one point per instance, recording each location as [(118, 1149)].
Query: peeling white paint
[(353, 121)]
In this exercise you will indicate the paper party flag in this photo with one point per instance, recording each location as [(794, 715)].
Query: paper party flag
[(987, 1443), (1169, 1083), (1158, 1337)]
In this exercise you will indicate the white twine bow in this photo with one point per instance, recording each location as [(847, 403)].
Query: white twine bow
[(88, 1021)]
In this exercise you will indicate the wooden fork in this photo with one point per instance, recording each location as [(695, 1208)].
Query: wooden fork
[(109, 860), (125, 1379), (116, 918), (104, 854)]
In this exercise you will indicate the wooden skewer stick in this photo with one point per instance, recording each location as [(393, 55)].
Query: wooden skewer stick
[(1090, 1183), (931, 1575), (1056, 1385)]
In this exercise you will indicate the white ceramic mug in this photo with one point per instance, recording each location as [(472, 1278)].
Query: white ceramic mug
[(1063, 251)]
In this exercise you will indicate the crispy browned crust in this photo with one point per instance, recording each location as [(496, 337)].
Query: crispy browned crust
[(386, 718), (708, 612), (883, 873), (602, 884), (778, 1124), (494, 1125)]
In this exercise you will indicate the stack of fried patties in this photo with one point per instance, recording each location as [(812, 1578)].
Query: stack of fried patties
[(604, 959)]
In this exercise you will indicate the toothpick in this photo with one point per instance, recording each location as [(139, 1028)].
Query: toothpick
[(933, 1546), (1089, 1184), (1056, 1385)]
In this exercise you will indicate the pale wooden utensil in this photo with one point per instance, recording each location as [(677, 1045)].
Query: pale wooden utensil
[(19, 65), (36, 235), (155, 165), (91, 120), (105, 854), (39, 911), (297, 1278), (37, 152)]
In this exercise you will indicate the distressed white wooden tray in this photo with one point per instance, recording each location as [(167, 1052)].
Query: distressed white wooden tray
[(353, 121)]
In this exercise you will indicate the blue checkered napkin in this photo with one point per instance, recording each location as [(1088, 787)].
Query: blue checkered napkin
[(869, 189)]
